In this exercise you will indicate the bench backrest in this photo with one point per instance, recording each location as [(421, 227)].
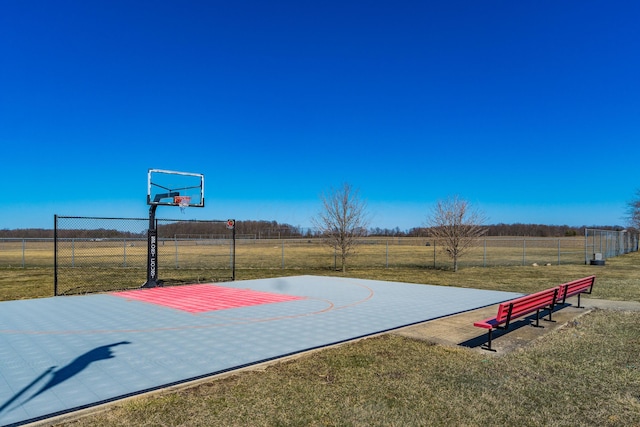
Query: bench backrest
[(576, 286), (527, 304)]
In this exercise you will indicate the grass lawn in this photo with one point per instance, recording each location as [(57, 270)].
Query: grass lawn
[(587, 373)]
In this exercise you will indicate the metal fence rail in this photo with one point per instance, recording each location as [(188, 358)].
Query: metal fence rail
[(408, 252), (26, 252), (96, 254), (179, 251), (411, 252), (103, 254)]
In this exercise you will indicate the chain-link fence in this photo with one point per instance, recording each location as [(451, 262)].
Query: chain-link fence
[(130, 251), (103, 254), (603, 244), (26, 252), (405, 252), (99, 254)]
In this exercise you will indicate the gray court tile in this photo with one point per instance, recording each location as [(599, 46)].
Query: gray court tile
[(58, 354)]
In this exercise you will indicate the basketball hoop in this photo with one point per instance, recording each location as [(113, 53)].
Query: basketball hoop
[(182, 202)]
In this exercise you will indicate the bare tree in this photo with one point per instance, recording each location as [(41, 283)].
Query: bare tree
[(633, 211), (456, 225), (342, 221)]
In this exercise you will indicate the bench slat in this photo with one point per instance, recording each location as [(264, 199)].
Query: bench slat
[(526, 304), (519, 307), (576, 287)]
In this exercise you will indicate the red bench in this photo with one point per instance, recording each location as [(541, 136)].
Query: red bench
[(576, 287), (527, 304), (519, 307)]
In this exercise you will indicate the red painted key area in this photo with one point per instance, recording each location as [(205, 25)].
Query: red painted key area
[(201, 298)]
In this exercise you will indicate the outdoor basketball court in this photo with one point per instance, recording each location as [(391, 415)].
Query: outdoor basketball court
[(62, 354)]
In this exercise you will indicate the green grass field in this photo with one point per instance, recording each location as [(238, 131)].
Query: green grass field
[(586, 374)]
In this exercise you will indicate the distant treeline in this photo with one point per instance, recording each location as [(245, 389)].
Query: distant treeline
[(528, 230), (273, 229)]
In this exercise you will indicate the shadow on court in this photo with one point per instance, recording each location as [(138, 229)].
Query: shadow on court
[(61, 375)]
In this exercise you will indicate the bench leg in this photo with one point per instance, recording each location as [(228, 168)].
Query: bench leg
[(579, 300), (537, 324), (550, 319), (487, 346)]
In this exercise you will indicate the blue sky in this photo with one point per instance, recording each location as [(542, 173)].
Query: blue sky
[(528, 109)]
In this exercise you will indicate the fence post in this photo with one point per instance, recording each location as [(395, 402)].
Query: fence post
[(124, 252), (175, 244), (387, 255), (484, 254), (55, 255), (282, 255), (618, 244), (586, 245), (434, 253), (233, 252)]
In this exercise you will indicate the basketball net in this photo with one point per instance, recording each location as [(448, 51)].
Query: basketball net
[(183, 202)]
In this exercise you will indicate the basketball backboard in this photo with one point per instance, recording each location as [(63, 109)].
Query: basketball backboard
[(172, 188)]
